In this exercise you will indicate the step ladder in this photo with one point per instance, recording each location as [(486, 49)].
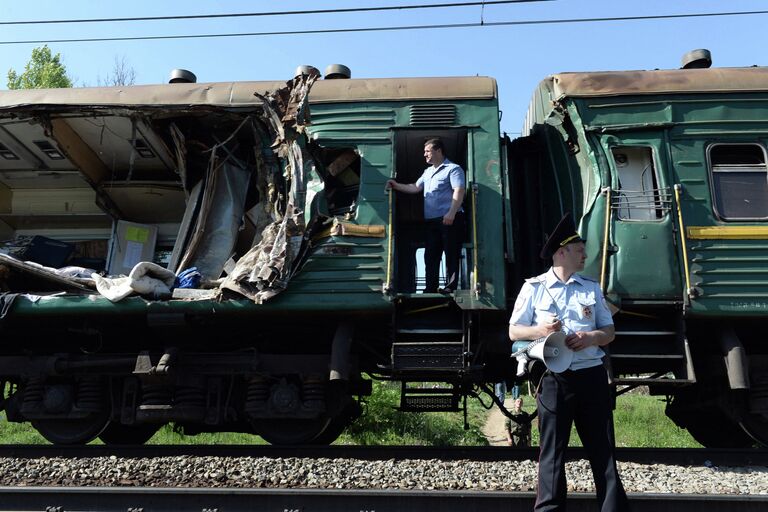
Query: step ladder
[(430, 352), (650, 349)]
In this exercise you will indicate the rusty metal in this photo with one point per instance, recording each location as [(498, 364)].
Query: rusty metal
[(617, 83)]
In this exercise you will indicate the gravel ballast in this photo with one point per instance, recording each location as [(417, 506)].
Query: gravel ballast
[(292, 472)]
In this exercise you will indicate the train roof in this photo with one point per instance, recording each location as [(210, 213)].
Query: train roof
[(234, 94), (670, 81)]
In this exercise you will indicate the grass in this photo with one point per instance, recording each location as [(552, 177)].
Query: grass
[(383, 424), (639, 422)]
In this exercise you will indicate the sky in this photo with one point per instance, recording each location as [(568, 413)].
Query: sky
[(517, 56)]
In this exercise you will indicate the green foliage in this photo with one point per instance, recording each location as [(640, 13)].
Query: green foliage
[(383, 424), (44, 70), (639, 422), (167, 435)]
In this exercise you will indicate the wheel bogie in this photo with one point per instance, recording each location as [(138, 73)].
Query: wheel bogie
[(286, 408)]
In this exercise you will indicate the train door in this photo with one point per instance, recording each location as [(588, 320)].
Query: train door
[(409, 209), (641, 259)]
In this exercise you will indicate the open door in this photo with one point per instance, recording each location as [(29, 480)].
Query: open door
[(409, 209), (642, 258)]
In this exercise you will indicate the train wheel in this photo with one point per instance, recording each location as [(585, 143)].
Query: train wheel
[(117, 433), (338, 423), (72, 431), (709, 426), (291, 431), (756, 425)]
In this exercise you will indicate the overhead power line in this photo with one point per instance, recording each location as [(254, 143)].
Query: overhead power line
[(274, 13), (390, 28)]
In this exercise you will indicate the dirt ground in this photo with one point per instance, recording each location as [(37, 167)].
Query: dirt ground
[(493, 430)]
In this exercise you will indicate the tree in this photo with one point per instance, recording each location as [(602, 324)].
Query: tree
[(122, 74), (44, 70)]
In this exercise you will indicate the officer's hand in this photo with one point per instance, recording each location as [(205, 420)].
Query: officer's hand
[(448, 219), (549, 328), (389, 185), (578, 341)]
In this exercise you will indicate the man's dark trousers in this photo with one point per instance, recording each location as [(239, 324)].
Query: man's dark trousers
[(441, 238), (582, 397)]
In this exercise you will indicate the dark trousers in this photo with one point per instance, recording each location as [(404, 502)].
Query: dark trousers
[(441, 238), (582, 397)]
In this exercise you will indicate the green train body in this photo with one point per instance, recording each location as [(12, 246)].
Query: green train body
[(334, 299), (667, 172)]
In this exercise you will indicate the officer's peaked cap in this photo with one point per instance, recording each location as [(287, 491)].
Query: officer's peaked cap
[(564, 234)]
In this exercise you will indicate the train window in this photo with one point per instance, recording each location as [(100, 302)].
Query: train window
[(638, 196), (341, 177), (739, 181)]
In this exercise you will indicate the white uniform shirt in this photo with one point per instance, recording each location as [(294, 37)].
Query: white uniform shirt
[(579, 304)]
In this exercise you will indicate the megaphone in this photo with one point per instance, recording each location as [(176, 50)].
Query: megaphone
[(552, 350)]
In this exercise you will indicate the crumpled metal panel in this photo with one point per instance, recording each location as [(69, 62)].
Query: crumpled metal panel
[(264, 271)]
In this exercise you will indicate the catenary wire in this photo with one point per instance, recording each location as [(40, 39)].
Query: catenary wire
[(390, 28), (275, 13)]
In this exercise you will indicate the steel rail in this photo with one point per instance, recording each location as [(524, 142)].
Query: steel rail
[(149, 499), (671, 456)]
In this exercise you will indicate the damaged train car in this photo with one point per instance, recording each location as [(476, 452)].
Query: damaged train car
[(203, 255)]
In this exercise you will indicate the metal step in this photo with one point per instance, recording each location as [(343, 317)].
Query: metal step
[(429, 399), (428, 356), (430, 331)]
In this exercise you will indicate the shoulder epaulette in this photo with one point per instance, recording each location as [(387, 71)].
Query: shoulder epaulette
[(542, 278)]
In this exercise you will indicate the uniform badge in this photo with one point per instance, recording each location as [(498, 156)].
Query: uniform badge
[(586, 312)]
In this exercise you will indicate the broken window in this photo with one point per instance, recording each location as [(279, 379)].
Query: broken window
[(340, 170), (739, 181), (638, 196)]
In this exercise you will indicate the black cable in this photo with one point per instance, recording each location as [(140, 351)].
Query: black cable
[(386, 29), (275, 13)]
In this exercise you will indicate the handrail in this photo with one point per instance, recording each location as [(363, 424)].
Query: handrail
[(388, 282), (606, 232), (688, 290), (474, 240)]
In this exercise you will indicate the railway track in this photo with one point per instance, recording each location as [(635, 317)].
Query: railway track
[(111, 499), (675, 456), (77, 491)]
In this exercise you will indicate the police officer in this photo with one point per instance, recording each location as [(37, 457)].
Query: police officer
[(561, 299)]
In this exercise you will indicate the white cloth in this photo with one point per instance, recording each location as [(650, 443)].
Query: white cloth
[(146, 278)]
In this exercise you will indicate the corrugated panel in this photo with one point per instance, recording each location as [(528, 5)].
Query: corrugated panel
[(343, 265), (730, 275), (348, 124), (433, 115)]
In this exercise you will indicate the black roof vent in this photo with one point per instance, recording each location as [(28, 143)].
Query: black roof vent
[(307, 70), (334, 71), (182, 76), (697, 59)]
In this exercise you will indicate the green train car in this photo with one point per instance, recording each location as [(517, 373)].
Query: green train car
[(305, 282), (308, 277), (668, 172)]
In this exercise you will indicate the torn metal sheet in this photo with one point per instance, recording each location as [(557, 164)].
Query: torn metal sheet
[(265, 270)]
